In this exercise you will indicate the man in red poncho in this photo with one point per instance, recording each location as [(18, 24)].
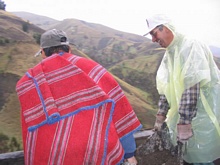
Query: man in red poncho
[(73, 111)]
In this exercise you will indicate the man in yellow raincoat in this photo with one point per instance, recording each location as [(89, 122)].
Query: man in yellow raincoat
[(188, 82)]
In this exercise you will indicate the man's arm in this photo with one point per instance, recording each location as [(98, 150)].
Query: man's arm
[(187, 106), (162, 112), (163, 106), (187, 111)]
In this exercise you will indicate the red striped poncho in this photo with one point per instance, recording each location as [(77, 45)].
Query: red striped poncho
[(73, 112)]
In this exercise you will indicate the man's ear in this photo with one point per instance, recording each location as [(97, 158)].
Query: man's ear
[(70, 50), (43, 55)]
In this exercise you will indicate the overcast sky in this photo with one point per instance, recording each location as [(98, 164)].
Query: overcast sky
[(197, 18)]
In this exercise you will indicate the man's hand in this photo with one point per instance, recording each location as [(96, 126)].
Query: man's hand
[(159, 122), (184, 132)]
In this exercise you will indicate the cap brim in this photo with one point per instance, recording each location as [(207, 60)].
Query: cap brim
[(149, 30), (146, 34), (38, 53)]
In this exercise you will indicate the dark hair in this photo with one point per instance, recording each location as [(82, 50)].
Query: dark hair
[(55, 49), (160, 27)]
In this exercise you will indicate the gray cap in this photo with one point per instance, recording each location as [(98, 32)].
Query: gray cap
[(156, 20), (52, 38)]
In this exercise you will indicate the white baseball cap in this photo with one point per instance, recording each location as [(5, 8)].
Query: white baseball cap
[(156, 20)]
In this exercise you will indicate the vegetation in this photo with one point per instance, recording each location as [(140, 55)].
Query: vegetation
[(37, 38), (2, 5), (140, 72), (4, 41), (25, 26), (7, 144)]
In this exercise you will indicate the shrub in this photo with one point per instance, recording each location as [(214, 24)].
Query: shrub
[(37, 37), (7, 144), (2, 5), (25, 26)]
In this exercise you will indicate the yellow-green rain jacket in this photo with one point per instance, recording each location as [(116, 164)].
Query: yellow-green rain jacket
[(185, 63)]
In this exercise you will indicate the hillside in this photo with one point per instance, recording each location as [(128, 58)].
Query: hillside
[(103, 44), (18, 45), (12, 28), (41, 21), (140, 72)]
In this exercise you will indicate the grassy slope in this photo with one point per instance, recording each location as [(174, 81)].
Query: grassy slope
[(10, 118), (14, 62), (16, 55), (138, 99)]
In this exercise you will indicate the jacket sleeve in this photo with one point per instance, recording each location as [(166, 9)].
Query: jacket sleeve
[(187, 107), (163, 106)]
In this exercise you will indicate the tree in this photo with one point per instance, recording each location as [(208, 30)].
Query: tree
[(14, 145), (37, 37), (2, 5), (8, 145), (25, 26), (4, 143)]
